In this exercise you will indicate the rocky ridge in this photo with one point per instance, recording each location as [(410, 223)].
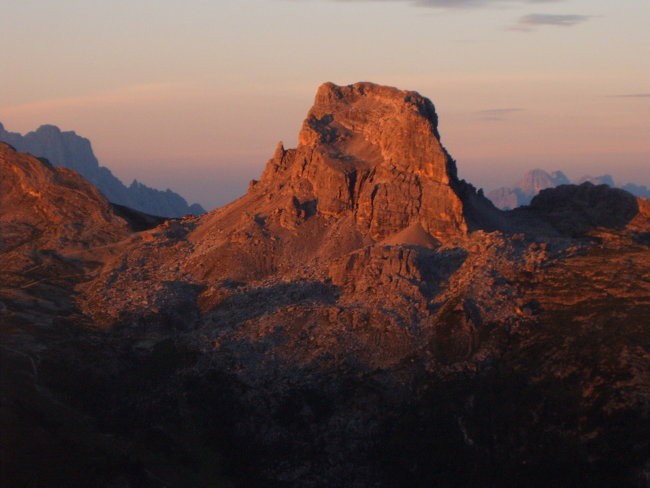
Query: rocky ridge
[(359, 318), (43, 207)]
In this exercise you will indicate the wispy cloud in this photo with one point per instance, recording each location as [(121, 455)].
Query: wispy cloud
[(466, 3), (531, 21), (134, 94), (454, 4), (497, 114), (631, 95), (470, 41), (474, 3)]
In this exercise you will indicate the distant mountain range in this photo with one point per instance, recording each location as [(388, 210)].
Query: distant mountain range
[(72, 151), (525, 189)]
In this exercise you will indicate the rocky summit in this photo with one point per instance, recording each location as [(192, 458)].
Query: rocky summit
[(373, 152), (360, 318)]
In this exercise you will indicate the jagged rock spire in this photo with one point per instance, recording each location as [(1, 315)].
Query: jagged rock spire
[(374, 151)]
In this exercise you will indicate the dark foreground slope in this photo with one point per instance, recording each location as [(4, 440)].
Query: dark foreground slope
[(74, 400), (360, 318)]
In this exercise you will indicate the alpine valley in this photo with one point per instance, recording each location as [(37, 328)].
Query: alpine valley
[(360, 318)]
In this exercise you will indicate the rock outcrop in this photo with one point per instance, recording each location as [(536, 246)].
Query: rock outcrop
[(45, 207), (373, 152), (69, 150), (577, 209), (368, 167)]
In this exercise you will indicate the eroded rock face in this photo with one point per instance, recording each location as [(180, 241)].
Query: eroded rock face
[(373, 151), (369, 168), (51, 207)]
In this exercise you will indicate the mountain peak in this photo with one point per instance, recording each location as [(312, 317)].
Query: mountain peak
[(598, 180), (538, 179), (373, 151), (371, 124), (47, 129)]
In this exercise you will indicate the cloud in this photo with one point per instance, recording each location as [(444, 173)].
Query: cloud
[(470, 3), (497, 114), (529, 22), (455, 4), (632, 95), (133, 94)]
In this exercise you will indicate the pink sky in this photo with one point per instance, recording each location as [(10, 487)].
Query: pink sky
[(195, 95)]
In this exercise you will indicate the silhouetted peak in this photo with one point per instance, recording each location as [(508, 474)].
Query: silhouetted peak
[(538, 179), (49, 129), (598, 180), (577, 208)]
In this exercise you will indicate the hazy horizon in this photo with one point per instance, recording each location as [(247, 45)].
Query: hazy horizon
[(195, 95)]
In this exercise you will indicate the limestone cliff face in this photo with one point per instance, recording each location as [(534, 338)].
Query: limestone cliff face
[(374, 151)]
